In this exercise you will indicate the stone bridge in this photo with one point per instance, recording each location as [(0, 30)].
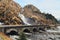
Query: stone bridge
[(16, 29)]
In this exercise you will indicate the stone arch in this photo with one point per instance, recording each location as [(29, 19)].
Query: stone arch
[(42, 29), (26, 30), (12, 32), (35, 30)]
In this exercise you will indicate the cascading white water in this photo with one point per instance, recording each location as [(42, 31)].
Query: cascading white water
[(24, 19)]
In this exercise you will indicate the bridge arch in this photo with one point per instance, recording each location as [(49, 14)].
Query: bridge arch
[(12, 32), (34, 30), (42, 29), (26, 30)]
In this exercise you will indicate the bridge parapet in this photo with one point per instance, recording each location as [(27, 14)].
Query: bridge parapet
[(21, 26), (5, 28)]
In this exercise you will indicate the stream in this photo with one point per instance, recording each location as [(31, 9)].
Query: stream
[(48, 35)]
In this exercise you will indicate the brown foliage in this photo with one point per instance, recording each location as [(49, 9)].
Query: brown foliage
[(9, 11)]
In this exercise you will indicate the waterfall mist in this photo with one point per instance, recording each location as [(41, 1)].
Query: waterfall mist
[(24, 19), (27, 20)]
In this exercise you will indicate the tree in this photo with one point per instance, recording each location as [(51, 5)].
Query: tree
[(50, 16), (22, 36)]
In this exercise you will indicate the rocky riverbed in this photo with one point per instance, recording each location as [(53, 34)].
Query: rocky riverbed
[(41, 36)]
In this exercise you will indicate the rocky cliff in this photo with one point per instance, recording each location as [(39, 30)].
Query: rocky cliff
[(40, 18), (9, 11), (59, 21)]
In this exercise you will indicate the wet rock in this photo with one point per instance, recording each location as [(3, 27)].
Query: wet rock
[(30, 21)]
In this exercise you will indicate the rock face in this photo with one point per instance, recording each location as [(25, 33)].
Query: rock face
[(9, 12), (40, 18), (34, 13)]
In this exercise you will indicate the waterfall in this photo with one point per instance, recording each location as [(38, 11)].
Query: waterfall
[(24, 19)]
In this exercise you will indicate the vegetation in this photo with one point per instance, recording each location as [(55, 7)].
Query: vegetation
[(4, 37), (49, 16), (22, 36)]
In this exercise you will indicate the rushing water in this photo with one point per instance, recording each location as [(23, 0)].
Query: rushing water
[(27, 20), (14, 37), (48, 35), (24, 19)]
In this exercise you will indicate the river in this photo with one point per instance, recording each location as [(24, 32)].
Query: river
[(48, 35)]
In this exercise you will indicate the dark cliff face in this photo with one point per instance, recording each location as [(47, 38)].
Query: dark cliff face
[(40, 18), (51, 17)]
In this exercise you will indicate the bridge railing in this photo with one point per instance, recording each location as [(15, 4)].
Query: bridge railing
[(21, 25), (5, 26)]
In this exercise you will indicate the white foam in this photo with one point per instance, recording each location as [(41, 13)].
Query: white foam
[(24, 19)]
